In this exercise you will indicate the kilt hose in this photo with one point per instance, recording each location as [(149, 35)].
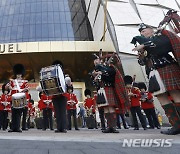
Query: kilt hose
[(111, 97), (170, 76), (111, 120)]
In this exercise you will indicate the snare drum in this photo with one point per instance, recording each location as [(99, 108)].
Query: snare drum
[(52, 80), (19, 100)]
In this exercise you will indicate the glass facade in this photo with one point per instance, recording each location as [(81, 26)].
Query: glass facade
[(44, 20)]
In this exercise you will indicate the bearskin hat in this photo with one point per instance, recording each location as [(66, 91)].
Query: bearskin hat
[(56, 62), (19, 69), (128, 79), (4, 88), (87, 92), (142, 85), (31, 101), (135, 84)]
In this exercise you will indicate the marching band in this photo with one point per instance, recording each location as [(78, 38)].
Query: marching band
[(114, 95)]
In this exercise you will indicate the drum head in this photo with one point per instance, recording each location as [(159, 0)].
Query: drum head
[(18, 95), (61, 77)]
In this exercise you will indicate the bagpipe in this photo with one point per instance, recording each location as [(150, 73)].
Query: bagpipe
[(106, 60), (172, 19)]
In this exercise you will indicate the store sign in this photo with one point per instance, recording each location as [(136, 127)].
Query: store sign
[(9, 48)]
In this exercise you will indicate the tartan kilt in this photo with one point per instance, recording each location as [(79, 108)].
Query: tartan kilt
[(170, 76), (111, 97)]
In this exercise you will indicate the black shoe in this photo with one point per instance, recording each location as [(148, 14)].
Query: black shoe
[(69, 128), (158, 127), (136, 128), (77, 129), (151, 128), (10, 131), (106, 130), (171, 131), (51, 129), (114, 130), (57, 131), (19, 131), (25, 129), (63, 131), (44, 129), (145, 128)]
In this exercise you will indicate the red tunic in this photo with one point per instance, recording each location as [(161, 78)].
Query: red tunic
[(89, 103), (147, 105), (135, 100), (71, 101), (23, 84), (45, 102), (5, 98), (31, 109)]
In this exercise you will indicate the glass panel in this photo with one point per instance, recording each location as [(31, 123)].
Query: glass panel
[(58, 30), (39, 7), (26, 30), (21, 19), (33, 18), (45, 31), (14, 32), (51, 30), (15, 19), (44, 17), (33, 7), (19, 32), (8, 33), (38, 30), (4, 21), (38, 18), (50, 17), (64, 30), (10, 20), (44, 6), (32, 33), (56, 17), (27, 18)]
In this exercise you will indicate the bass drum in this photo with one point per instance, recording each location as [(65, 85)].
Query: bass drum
[(52, 80)]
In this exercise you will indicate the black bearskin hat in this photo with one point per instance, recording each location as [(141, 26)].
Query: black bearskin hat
[(56, 62), (87, 92), (142, 85), (4, 88), (31, 101), (128, 79), (19, 69), (143, 26), (135, 84)]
